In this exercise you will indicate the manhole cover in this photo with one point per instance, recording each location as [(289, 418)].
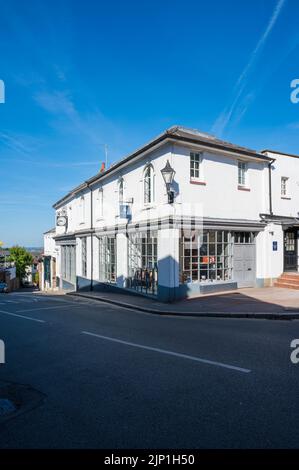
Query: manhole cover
[(6, 407)]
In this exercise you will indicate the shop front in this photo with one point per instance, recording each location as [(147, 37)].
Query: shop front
[(213, 260)]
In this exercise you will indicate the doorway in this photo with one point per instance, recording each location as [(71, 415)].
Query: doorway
[(290, 250), (244, 259)]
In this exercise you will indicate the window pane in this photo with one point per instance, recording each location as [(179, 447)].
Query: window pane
[(212, 249), (212, 237), (203, 250)]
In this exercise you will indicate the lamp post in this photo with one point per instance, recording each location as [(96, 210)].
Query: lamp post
[(168, 175)]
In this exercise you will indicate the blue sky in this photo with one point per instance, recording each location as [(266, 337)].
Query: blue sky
[(79, 74)]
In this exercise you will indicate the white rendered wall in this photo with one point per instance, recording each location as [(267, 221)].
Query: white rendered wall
[(49, 244), (168, 258), (285, 166), (219, 196), (269, 262), (121, 259)]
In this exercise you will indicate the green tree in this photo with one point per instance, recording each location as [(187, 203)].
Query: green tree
[(22, 258)]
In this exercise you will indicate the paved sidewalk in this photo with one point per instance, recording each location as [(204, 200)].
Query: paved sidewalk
[(266, 303)]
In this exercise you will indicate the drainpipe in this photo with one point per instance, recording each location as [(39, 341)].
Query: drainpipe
[(91, 239), (270, 186)]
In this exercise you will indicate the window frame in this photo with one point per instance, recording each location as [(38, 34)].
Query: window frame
[(206, 256), (121, 194), (284, 193), (121, 190), (242, 177), (82, 210), (107, 259), (100, 204), (192, 166), (143, 261), (84, 256), (148, 187), (68, 263)]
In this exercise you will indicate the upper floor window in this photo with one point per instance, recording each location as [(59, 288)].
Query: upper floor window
[(149, 184), (195, 161), (284, 186), (121, 200), (242, 170), (99, 204), (121, 191), (82, 210)]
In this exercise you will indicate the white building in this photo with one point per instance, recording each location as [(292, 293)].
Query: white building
[(228, 219), (47, 270)]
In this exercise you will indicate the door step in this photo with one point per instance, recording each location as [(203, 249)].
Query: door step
[(288, 281)]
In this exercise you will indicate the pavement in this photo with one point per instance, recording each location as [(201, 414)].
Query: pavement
[(87, 374), (261, 303)]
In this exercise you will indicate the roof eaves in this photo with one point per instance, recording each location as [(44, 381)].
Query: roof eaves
[(173, 133), (50, 231), (276, 152), (71, 193), (226, 147)]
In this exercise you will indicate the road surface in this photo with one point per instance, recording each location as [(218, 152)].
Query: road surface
[(92, 375)]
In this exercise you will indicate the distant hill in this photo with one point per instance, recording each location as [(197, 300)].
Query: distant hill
[(34, 249)]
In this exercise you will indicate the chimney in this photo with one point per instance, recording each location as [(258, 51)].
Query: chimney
[(102, 167)]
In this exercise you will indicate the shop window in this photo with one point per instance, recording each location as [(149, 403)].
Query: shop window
[(205, 256), (244, 237), (107, 259), (143, 262), (84, 256)]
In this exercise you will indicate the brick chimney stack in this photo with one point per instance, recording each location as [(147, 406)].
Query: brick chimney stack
[(102, 167)]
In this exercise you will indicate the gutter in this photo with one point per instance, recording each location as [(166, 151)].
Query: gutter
[(217, 146)]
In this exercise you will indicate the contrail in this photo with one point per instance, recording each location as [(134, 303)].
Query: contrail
[(241, 83)]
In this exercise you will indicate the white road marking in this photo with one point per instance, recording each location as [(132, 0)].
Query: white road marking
[(21, 316), (46, 308), (43, 298), (11, 302), (9, 299), (169, 353)]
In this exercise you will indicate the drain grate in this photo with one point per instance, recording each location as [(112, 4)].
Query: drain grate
[(6, 407)]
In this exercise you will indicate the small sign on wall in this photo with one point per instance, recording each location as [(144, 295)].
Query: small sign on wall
[(124, 211), (274, 246)]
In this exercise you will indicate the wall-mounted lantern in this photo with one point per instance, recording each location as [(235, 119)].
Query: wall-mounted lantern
[(168, 175)]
